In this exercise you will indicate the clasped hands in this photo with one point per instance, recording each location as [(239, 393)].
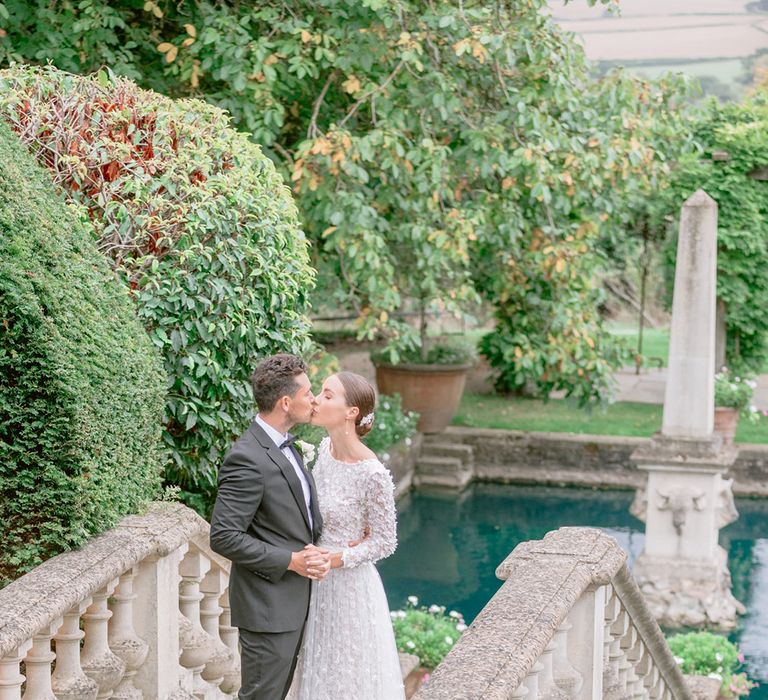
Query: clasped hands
[(315, 562)]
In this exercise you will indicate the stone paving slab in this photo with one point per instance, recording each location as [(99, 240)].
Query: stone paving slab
[(649, 387)]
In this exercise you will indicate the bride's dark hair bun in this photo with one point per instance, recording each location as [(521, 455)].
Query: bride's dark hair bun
[(359, 393)]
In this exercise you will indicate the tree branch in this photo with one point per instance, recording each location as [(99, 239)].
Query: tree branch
[(312, 129), (370, 93)]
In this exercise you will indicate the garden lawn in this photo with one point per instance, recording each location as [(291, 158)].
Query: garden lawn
[(655, 341), (562, 416)]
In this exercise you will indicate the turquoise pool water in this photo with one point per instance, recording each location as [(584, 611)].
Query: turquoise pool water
[(450, 546)]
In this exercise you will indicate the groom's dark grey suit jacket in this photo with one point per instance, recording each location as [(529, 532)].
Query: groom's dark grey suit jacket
[(259, 518)]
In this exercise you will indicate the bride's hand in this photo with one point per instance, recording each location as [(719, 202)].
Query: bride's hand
[(366, 535), (318, 562)]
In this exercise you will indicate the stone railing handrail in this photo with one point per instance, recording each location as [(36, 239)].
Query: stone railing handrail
[(650, 632), (140, 611), (557, 588), (47, 592)]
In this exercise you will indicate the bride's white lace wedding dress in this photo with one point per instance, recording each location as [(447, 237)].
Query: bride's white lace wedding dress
[(349, 652)]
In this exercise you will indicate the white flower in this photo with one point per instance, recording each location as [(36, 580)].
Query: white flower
[(448, 640), (408, 442), (717, 676), (308, 451), (738, 379), (679, 660), (385, 457), (386, 404), (434, 609), (461, 627), (393, 614), (413, 600), (410, 644), (752, 409), (718, 656), (751, 383), (455, 615), (401, 614)]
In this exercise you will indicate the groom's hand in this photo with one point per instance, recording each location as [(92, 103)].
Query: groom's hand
[(311, 562), (320, 564), (366, 535)]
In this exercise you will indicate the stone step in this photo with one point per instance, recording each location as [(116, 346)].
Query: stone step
[(449, 472), (449, 449)]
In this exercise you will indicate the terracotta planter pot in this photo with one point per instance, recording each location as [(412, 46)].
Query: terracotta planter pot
[(433, 391), (726, 421)]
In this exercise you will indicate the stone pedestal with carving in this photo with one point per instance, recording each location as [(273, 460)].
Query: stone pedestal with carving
[(682, 571)]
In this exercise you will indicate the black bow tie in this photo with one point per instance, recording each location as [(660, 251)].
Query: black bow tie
[(288, 442)]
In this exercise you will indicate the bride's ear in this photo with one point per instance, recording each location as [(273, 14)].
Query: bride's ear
[(352, 413)]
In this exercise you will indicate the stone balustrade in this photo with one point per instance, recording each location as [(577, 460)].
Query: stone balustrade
[(569, 622), (148, 600)]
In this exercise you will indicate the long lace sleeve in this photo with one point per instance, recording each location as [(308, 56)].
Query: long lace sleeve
[(380, 518)]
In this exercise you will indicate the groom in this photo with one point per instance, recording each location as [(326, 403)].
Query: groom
[(266, 520)]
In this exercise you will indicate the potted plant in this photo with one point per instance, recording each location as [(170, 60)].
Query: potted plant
[(712, 656), (428, 633), (430, 379), (429, 373), (733, 398)]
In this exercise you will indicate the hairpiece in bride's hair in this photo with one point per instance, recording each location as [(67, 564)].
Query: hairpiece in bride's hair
[(367, 420)]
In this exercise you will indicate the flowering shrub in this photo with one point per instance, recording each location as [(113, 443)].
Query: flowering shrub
[(429, 633), (197, 222), (391, 425), (708, 654), (732, 391)]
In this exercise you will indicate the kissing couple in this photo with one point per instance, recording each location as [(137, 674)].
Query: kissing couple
[(304, 592)]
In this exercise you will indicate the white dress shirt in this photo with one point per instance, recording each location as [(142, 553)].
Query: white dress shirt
[(278, 438)]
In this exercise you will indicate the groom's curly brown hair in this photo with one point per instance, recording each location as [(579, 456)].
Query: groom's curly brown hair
[(274, 378)]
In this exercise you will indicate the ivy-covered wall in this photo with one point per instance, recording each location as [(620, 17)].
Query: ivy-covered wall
[(731, 168)]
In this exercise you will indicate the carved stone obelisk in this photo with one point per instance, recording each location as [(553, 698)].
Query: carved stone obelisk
[(683, 571)]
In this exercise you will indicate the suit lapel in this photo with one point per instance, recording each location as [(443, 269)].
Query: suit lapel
[(286, 468), (317, 520)]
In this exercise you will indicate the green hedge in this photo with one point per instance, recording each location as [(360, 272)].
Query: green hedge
[(81, 386), (200, 225)]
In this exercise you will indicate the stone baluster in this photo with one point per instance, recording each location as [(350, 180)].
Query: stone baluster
[(531, 681), (567, 678), (643, 667), (197, 646), (11, 678), (586, 640), (157, 587), (230, 637), (97, 659), (637, 658), (212, 588), (611, 665), (38, 664), (547, 688), (617, 689), (654, 689), (68, 680), (629, 639), (123, 640), (651, 679)]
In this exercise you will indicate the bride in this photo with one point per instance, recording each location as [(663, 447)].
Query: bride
[(349, 647)]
